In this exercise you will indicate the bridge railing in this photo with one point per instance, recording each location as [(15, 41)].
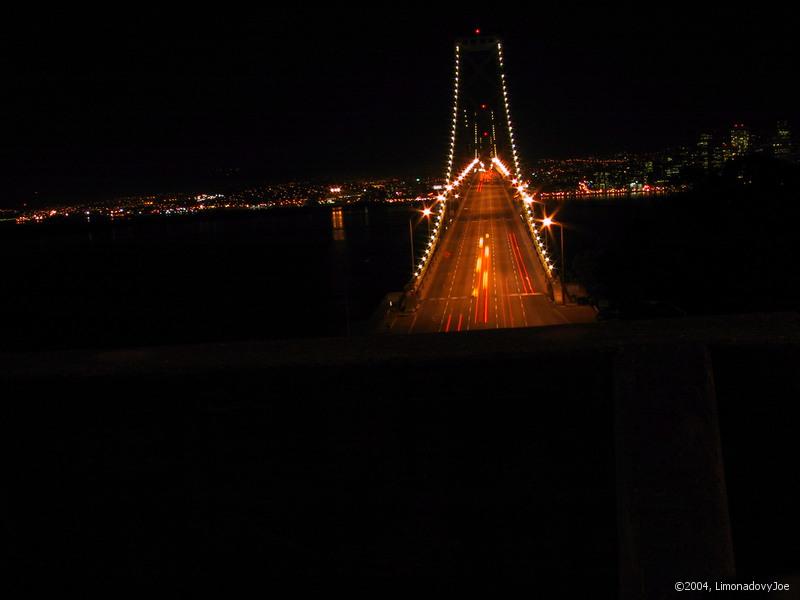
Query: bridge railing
[(527, 213), (423, 265)]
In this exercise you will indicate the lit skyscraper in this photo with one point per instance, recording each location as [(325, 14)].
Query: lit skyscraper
[(782, 144), (740, 139), (704, 151)]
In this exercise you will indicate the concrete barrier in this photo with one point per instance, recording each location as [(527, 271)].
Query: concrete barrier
[(587, 454)]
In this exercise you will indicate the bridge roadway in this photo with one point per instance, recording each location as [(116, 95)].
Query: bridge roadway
[(487, 274)]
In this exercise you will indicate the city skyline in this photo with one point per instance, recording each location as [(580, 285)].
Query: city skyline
[(673, 169), (165, 102)]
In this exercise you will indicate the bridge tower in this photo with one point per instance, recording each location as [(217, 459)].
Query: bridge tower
[(481, 124)]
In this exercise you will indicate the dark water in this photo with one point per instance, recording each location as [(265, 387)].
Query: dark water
[(699, 253), (323, 271), (228, 276)]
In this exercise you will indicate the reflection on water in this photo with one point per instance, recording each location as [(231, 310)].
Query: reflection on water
[(337, 223), (198, 278)]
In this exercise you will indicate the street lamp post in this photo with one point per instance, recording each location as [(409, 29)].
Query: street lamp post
[(563, 262), (547, 222), (427, 213), (411, 240)]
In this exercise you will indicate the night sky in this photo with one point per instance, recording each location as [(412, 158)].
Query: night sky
[(136, 101)]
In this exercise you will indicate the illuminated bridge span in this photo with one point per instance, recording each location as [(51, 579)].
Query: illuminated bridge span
[(486, 262)]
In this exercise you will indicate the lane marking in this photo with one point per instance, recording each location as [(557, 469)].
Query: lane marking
[(486, 306), (446, 299), (527, 286), (464, 237), (494, 266)]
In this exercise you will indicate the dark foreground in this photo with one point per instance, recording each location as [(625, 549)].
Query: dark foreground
[(584, 454)]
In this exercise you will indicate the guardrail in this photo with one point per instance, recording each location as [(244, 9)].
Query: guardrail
[(418, 276), (527, 215)]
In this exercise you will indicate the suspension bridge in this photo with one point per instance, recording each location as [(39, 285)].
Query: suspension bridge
[(485, 262)]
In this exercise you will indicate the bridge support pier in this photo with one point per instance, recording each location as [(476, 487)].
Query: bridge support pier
[(558, 294), (549, 290)]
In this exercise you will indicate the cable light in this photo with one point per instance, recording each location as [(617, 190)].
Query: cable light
[(506, 102), (449, 170)]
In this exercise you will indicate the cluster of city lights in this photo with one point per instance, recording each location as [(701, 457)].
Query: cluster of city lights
[(455, 119), (508, 112), (528, 201), (438, 214), (582, 192)]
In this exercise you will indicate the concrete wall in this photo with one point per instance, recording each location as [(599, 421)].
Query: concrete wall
[(601, 455)]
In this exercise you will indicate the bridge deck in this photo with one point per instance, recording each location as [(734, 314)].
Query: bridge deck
[(487, 275)]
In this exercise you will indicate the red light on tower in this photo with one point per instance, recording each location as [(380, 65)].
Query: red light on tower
[(477, 31), (483, 106)]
